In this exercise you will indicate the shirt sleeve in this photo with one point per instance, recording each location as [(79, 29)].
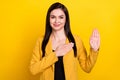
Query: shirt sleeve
[(86, 61), (38, 63)]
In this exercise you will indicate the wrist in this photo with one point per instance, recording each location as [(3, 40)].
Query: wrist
[(95, 49), (55, 52)]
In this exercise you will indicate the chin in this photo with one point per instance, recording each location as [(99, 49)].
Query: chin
[(57, 28)]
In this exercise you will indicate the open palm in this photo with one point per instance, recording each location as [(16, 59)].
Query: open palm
[(95, 40)]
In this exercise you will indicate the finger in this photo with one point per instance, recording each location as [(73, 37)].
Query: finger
[(72, 44), (95, 33), (69, 45)]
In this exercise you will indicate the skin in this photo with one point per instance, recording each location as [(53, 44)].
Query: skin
[(57, 22)]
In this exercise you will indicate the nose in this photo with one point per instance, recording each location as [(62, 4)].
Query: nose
[(56, 20)]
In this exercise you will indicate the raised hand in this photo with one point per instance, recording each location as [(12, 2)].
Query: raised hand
[(95, 40)]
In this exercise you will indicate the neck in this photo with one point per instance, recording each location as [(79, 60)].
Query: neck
[(58, 35)]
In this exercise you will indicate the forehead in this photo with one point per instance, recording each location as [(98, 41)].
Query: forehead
[(57, 12)]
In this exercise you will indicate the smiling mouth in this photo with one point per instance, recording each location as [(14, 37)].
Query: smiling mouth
[(56, 25)]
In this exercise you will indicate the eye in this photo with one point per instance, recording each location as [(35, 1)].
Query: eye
[(52, 17), (61, 17)]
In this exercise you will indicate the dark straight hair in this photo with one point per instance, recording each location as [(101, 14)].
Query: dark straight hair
[(48, 29)]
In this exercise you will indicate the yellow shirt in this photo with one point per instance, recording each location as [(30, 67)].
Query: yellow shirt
[(45, 65)]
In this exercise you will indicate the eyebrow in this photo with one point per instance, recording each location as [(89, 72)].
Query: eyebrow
[(54, 15)]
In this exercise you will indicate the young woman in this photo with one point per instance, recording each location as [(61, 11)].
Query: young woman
[(56, 54)]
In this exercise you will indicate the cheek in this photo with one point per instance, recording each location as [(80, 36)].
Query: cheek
[(51, 20), (63, 21)]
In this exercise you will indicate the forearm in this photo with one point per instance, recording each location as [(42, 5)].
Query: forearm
[(90, 61)]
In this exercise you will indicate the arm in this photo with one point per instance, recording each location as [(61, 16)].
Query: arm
[(38, 63), (88, 62)]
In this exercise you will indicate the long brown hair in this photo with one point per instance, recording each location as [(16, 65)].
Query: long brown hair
[(48, 29)]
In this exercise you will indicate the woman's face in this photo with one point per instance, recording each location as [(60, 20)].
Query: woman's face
[(57, 19)]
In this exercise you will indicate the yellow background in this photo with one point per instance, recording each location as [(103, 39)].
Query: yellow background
[(22, 21)]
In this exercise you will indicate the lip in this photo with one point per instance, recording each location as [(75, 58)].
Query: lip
[(56, 25)]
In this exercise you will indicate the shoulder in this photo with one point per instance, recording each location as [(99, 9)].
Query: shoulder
[(39, 39), (78, 40)]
